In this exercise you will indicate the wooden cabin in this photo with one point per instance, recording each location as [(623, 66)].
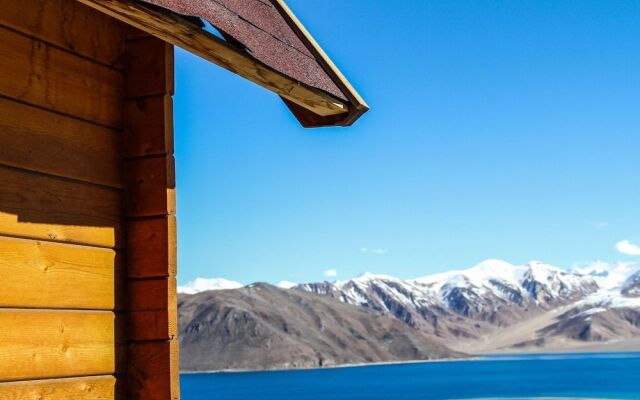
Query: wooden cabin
[(87, 186)]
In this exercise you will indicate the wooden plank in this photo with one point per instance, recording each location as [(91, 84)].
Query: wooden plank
[(152, 309), (52, 143), (84, 388), (148, 68), (179, 32), (39, 74), (39, 344), (43, 207), (39, 274), (148, 126), (151, 294), (151, 186), (67, 24), (151, 247), (153, 371)]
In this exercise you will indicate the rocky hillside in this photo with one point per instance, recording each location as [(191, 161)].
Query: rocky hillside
[(264, 327), (497, 306)]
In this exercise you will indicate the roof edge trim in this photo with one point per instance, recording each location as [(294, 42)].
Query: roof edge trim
[(180, 32), (358, 106)]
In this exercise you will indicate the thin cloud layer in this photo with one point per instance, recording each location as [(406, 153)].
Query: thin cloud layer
[(331, 273), (628, 248), (373, 251)]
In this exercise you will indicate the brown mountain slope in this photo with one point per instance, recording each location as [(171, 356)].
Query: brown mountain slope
[(264, 327)]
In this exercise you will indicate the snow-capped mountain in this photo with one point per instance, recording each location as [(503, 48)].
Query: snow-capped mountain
[(203, 284), (473, 303), (495, 305)]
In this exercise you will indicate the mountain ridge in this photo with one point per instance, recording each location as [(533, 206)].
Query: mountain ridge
[(492, 307)]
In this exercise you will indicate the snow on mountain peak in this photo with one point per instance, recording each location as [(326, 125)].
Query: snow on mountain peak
[(481, 275), (203, 284), (286, 284), (611, 277)]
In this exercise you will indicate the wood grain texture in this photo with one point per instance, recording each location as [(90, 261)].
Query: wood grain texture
[(82, 388), (48, 142), (150, 186), (39, 274), (152, 309), (39, 74), (148, 68), (43, 207), (148, 126), (68, 25), (150, 206), (153, 371), (40, 344), (152, 247), (179, 32)]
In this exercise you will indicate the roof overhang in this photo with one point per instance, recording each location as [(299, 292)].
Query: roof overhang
[(265, 43)]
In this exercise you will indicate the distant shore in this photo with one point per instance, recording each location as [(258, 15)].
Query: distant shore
[(479, 357)]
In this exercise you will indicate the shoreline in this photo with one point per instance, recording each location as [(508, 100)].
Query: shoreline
[(478, 357)]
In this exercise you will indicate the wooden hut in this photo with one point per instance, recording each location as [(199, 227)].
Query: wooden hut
[(87, 193)]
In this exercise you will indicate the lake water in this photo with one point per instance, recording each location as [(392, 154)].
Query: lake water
[(592, 376)]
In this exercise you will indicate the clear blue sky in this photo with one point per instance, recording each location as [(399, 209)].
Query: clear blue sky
[(498, 129)]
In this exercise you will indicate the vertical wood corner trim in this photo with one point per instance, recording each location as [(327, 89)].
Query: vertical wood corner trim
[(149, 179)]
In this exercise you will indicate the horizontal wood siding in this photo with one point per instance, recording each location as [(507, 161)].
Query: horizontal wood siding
[(51, 275), (46, 76), (51, 143), (39, 206), (63, 24), (46, 344), (85, 388), (62, 203)]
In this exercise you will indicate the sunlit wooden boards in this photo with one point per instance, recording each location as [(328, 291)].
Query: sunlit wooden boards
[(39, 206), (43, 343), (87, 204), (51, 275), (85, 388), (62, 224)]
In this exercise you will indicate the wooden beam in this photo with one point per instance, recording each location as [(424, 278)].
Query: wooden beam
[(151, 301), (180, 32)]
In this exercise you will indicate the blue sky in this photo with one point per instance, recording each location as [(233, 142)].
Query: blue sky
[(498, 129)]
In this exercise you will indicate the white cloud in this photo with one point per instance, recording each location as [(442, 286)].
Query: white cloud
[(628, 248), (373, 251), (331, 272), (203, 284)]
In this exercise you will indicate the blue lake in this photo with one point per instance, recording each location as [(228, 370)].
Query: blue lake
[(592, 376)]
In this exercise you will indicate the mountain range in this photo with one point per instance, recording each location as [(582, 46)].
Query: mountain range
[(494, 306), (265, 327)]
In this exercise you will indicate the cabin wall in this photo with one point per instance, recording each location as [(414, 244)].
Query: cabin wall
[(87, 225)]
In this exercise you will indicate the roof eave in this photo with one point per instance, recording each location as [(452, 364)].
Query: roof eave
[(312, 107)]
